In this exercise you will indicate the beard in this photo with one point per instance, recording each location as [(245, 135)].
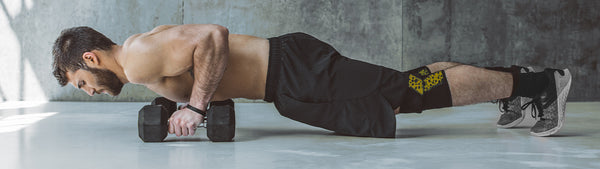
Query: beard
[(107, 79)]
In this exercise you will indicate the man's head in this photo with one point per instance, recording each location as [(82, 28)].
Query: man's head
[(76, 61)]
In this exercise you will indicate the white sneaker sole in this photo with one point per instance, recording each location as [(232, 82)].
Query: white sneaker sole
[(561, 102)]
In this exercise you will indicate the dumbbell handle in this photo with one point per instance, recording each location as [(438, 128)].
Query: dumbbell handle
[(203, 123)]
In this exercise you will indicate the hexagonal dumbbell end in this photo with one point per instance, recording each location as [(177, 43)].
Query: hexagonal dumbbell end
[(153, 119), (220, 125), (152, 123)]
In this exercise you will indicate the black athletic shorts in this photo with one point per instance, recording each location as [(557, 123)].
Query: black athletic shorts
[(310, 82)]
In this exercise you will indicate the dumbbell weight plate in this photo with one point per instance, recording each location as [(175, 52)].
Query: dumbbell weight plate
[(220, 126), (152, 123), (153, 119)]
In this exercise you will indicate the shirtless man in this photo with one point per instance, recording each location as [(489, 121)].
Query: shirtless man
[(307, 79)]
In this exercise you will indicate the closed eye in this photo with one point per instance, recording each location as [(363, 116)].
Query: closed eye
[(81, 83)]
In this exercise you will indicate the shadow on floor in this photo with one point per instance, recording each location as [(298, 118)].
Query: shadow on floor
[(425, 132), (249, 134)]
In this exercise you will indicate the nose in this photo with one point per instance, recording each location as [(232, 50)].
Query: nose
[(89, 91)]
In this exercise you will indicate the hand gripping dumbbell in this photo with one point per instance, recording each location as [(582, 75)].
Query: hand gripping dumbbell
[(219, 120)]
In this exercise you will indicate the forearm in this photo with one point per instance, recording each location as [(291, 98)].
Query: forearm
[(210, 62)]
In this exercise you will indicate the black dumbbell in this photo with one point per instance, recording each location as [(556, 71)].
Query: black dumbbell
[(220, 123), (153, 120)]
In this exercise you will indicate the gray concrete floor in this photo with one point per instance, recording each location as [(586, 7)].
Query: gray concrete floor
[(104, 135)]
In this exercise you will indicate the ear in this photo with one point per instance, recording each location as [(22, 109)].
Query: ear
[(90, 59)]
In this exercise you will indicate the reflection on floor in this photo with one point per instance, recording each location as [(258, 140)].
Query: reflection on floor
[(104, 135)]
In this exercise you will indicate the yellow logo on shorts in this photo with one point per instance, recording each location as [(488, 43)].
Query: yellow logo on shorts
[(423, 72), (422, 86)]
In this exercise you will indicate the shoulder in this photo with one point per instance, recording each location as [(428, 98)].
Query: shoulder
[(144, 54), (139, 40), (138, 60)]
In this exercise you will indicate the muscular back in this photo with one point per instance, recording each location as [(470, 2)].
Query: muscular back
[(162, 60)]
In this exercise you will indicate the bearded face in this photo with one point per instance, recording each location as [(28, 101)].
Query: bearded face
[(107, 81)]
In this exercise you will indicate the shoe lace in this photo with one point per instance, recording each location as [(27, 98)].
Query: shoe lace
[(502, 105), (537, 110)]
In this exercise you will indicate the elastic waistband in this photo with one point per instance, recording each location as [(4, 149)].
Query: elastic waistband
[(273, 69)]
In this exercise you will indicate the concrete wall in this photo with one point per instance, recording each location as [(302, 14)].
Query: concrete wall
[(548, 33), (400, 34), (35, 24)]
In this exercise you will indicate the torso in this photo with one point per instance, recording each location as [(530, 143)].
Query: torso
[(246, 73)]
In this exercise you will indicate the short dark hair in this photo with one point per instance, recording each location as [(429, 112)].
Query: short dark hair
[(70, 46)]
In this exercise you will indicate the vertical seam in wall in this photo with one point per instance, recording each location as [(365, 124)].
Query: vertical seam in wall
[(182, 11), (402, 35), (449, 34), (228, 13)]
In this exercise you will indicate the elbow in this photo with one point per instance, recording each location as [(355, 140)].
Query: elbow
[(218, 42), (219, 32)]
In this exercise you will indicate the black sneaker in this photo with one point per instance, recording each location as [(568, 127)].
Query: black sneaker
[(551, 103), (511, 109)]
